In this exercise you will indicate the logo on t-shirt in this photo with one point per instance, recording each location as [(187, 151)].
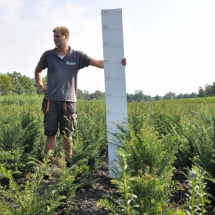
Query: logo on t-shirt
[(70, 63)]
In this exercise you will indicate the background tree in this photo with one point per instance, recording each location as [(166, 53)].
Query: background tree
[(27, 84), (22, 84), (208, 90), (213, 89), (147, 98), (192, 95), (98, 95), (201, 92), (18, 84), (15, 81), (80, 94), (169, 96), (87, 96), (6, 85), (138, 96), (180, 96), (157, 97), (129, 97)]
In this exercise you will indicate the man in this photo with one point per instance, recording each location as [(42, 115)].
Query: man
[(59, 104)]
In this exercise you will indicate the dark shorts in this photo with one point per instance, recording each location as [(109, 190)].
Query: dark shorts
[(59, 114)]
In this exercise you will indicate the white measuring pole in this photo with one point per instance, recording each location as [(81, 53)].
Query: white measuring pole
[(115, 86)]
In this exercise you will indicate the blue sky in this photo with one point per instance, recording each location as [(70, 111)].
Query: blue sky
[(169, 44)]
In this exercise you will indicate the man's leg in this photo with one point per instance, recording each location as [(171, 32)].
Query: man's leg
[(67, 145), (50, 143), (50, 110)]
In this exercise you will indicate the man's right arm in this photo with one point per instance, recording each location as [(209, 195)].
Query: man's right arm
[(39, 80)]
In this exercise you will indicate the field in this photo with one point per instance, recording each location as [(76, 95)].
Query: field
[(165, 162)]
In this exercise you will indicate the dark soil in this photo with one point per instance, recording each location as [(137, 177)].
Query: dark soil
[(86, 200)]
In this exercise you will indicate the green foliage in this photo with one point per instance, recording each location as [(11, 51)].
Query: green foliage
[(67, 180), (187, 127), (209, 90), (158, 135), (161, 137), (139, 114), (11, 83), (21, 140), (122, 202), (89, 141), (143, 176), (196, 141), (16, 83), (35, 195), (198, 198), (20, 137), (28, 197), (6, 84), (166, 120), (91, 129), (146, 151), (20, 100)]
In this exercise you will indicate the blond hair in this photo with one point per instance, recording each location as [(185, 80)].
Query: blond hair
[(63, 30)]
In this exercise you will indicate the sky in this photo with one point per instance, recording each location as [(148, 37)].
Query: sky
[(169, 44)]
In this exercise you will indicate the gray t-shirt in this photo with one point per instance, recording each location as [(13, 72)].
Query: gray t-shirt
[(62, 73)]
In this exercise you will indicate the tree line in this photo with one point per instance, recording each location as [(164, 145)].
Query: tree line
[(16, 83)]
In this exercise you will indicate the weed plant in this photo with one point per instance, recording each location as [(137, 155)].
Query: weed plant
[(198, 198)]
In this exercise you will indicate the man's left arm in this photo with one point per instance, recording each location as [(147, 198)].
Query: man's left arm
[(100, 63)]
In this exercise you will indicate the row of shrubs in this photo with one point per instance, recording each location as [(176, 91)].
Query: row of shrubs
[(166, 160), (162, 140)]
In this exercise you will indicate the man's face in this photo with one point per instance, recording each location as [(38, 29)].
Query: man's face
[(59, 39)]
